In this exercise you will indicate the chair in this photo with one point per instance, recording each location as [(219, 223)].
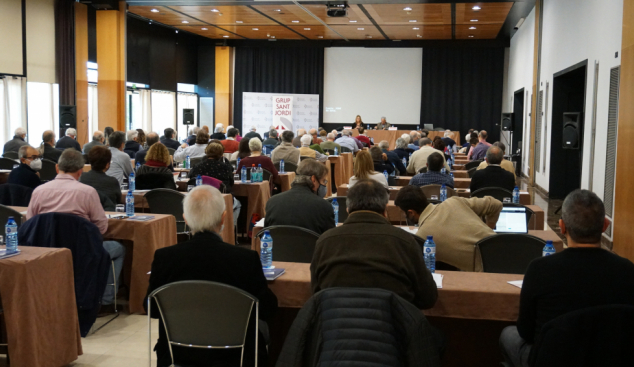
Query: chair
[(195, 161), (15, 195), (291, 243), (391, 181), (6, 163), (509, 253), (6, 212), (422, 170), (288, 166), (171, 151), (86, 161), (346, 150), (48, 171), (529, 212), (343, 213), (11, 155), (495, 192), (471, 171), (211, 181), (203, 314), (430, 190), (472, 164), (153, 180), (166, 201)]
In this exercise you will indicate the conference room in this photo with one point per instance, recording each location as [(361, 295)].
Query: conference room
[(303, 182)]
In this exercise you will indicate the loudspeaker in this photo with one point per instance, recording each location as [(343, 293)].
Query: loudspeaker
[(67, 117), (572, 132), (507, 121), (188, 116)]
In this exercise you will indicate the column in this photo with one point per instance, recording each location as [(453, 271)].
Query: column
[(224, 81)]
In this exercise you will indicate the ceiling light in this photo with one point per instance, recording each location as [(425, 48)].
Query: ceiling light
[(353, 21), (215, 10), (474, 20), (413, 21), (360, 29), (415, 28), (307, 29), (295, 21), (255, 29), (204, 29), (185, 22), (407, 9), (320, 36), (226, 36), (154, 10), (277, 10), (419, 36), (272, 36), (368, 36), (176, 31), (239, 21), (476, 8), (472, 27), (471, 36)]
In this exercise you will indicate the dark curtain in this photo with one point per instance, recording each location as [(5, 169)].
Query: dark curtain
[(462, 89), (277, 70), (65, 50)]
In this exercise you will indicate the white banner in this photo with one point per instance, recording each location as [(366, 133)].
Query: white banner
[(258, 110), (282, 113)]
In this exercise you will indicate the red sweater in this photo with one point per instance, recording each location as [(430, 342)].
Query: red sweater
[(230, 145)]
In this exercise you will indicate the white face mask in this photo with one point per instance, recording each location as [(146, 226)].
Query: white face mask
[(36, 164)]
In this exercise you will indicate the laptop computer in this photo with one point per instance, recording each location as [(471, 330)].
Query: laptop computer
[(429, 127), (512, 220)]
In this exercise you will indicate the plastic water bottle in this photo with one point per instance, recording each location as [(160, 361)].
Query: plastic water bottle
[(443, 192), (188, 163), (131, 182), (516, 195), (243, 174), (138, 165), (129, 204), (429, 254), (264, 150), (266, 251), (443, 171), (386, 175), (281, 166), (336, 151), (451, 174), (11, 235), (260, 173), (404, 161), (549, 249), (335, 208), (199, 180), (254, 174), (237, 163), (449, 162)]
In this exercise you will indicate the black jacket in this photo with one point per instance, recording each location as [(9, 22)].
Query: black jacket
[(25, 176), (51, 153), (67, 142), (300, 207), (206, 257), (396, 161), (14, 144), (104, 184), (170, 143), (149, 178), (217, 136), (272, 142), (492, 176), (251, 135), (352, 326), (15, 195), (384, 166), (131, 148), (401, 153)]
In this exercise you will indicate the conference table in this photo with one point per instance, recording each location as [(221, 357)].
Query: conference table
[(392, 135), (458, 182)]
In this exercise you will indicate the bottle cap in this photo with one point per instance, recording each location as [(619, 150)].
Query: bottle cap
[(429, 238), (334, 200), (267, 232), (549, 242)]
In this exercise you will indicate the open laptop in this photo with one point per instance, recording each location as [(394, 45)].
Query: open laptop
[(512, 220), (429, 127)]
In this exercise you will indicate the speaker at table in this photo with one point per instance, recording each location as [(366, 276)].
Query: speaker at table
[(188, 116), (507, 121), (572, 132)]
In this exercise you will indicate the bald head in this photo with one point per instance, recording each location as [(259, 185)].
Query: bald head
[(313, 132), (98, 136), (151, 138), (48, 137), (494, 155), (27, 153)]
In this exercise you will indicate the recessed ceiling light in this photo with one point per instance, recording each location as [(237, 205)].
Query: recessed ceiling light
[(474, 20), (277, 10), (295, 21), (185, 22), (255, 29), (307, 29), (239, 21), (272, 36), (472, 27), (419, 36), (368, 36), (353, 21), (407, 9), (204, 29), (226, 36), (471, 36), (154, 10), (360, 29), (413, 21), (320, 36), (176, 31), (476, 8), (415, 28), (215, 10)]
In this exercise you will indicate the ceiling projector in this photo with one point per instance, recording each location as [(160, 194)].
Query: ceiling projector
[(336, 9)]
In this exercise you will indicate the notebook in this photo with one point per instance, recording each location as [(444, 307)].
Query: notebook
[(141, 218), (272, 274), (512, 220), (4, 255), (438, 280)]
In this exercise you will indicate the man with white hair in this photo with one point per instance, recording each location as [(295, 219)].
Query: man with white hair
[(330, 143), (68, 141), (383, 125), (132, 146), (97, 139), (448, 140), (207, 257), (297, 143), (347, 141), (306, 151), (414, 137), (14, 144), (191, 139), (218, 133), (393, 158), (253, 134), (26, 173)]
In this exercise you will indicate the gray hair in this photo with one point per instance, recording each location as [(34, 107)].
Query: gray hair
[(203, 208), (367, 195), (287, 136), (219, 129), (192, 131), (583, 215), (22, 152), (131, 134), (253, 128), (384, 144), (273, 133), (424, 141), (97, 135), (383, 118), (307, 169), (494, 155), (345, 132), (306, 139), (71, 132), (301, 132), (406, 137), (255, 145), (20, 131), (312, 131), (71, 161), (331, 136), (401, 143)]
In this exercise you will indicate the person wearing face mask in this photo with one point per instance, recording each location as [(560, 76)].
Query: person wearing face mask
[(26, 173), (455, 246), (303, 205)]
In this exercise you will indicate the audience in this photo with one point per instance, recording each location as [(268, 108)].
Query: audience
[(401, 149), (322, 134), (256, 158), (141, 139), (68, 141), (306, 151), (252, 134), (471, 143), (214, 166), (297, 143), (168, 140), (243, 150), (493, 175), (195, 151), (120, 164), (414, 137), (47, 149), (479, 152), (433, 176), (286, 150), (367, 251), (26, 173), (418, 159), (455, 245), (66, 195), (505, 164), (14, 144), (364, 139), (152, 138), (218, 133), (303, 205), (393, 158), (97, 140), (230, 144), (448, 140), (379, 159), (330, 144), (206, 257), (99, 158), (191, 138), (156, 163), (347, 141), (582, 276), (315, 137), (132, 145), (364, 169), (271, 142)]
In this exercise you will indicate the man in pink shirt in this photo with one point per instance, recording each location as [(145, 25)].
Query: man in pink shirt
[(65, 194)]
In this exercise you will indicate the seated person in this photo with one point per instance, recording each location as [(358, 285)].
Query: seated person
[(152, 138), (433, 176), (505, 164), (297, 143), (315, 136), (401, 149), (493, 175), (120, 165), (218, 133), (286, 151), (66, 195), (243, 150), (97, 139), (272, 140), (68, 141), (306, 151), (418, 159), (256, 158), (168, 140), (26, 173), (194, 151), (329, 144), (132, 145), (347, 141), (562, 283), (47, 149), (303, 205), (230, 143), (215, 166), (479, 152), (364, 169), (393, 158), (414, 137), (456, 245), (157, 161), (14, 144), (364, 139), (99, 157), (448, 140), (383, 125), (206, 257), (379, 159), (367, 251)]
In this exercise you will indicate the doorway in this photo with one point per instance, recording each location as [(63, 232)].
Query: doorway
[(569, 96), (518, 129)]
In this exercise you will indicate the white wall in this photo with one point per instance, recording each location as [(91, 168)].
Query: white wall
[(40, 41)]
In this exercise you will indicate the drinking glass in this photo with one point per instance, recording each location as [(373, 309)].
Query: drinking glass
[(124, 187), (119, 208)]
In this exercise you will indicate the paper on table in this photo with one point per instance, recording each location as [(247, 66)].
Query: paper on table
[(260, 223), (438, 279), (410, 230), (516, 283)]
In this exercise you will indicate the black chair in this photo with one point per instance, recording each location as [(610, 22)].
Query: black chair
[(6, 212), (430, 190), (48, 171), (223, 188), (195, 161), (291, 243), (422, 170), (86, 161), (509, 253), (345, 150), (11, 155), (472, 164), (471, 171), (171, 151), (288, 167), (495, 192), (529, 212), (343, 213), (151, 181), (391, 181), (15, 195), (234, 164), (166, 201), (6, 163)]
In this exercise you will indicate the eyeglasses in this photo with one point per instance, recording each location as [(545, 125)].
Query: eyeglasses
[(325, 183), (33, 157)]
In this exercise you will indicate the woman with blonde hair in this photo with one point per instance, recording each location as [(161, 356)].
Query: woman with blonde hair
[(157, 160), (364, 169), (141, 139), (358, 122)]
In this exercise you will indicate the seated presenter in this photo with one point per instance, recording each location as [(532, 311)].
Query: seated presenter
[(358, 122), (383, 125)]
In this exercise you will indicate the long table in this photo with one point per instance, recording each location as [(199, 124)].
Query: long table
[(392, 135), (257, 195)]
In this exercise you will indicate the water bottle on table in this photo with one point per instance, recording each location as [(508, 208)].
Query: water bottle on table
[(129, 204), (243, 174), (443, 170), (336, 151), (429, 254), (335, 208), (237, 163), (404, 161), (516, 195), (443, 193), (266, 251), (188, 163), (11, 235), (199, 180), (549, 249), (131, 182), (260, 173), (282, 166), (386, 176), (138, 165)]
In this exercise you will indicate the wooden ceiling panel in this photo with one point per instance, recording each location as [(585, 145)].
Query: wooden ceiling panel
[(424, 32), (489, 13), (164, 15), (362, 32), (286, 14), (316, 32), (209, 32), (421, 14), (225, 15), (264, 32), (482, 31)]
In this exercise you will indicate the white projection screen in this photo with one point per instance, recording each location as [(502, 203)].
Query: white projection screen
[(372, 82), (11, 40)]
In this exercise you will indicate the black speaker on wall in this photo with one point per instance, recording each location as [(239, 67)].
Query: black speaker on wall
[(67, 119), (507, 121), (188, 116), (572, 133)]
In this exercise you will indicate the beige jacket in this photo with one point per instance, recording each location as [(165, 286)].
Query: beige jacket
[(456, 225), (418, 159), (506, 164), (287, 152)]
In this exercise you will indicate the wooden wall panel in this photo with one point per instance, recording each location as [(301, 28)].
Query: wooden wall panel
[(624, 195), (224, 71), (81, 77), (536, 53)]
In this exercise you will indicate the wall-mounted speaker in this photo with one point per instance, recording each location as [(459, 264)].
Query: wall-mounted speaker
[(507, 121), (188, 116), (572, 133), (67, 119)]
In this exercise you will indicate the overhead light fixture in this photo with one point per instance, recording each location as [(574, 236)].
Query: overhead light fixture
[(272, 36), (239, 21), (150, 23), (154, 10), (476, 8), (407, 9), (474, 20), (176, 31), (320, 36), (471, 36), (295, 21), (307, 29), (519, 24), (277, 10), (419, 36), (472, 27), (413, 21), (185, 22), (368, 36), (204, 29), (353, 21), (226, 36), (360, 29), (415, 28), (215, 10), (255, 29)]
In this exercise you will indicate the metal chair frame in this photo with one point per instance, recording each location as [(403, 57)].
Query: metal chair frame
[(261, 233), (116, 312)]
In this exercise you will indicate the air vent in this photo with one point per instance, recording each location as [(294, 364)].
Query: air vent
[(538, 130), (610, 157)]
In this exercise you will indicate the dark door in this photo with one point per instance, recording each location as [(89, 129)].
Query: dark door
[(518, 128)]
